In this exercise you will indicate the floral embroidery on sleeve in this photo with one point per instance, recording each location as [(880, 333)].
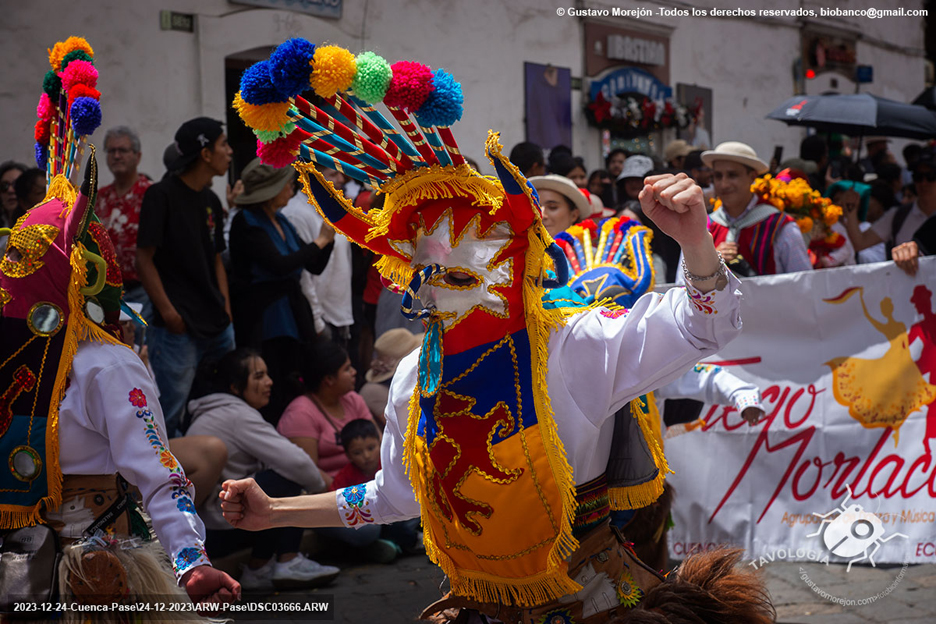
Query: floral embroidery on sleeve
[(180, 483), (188, 558), (612, 314), (746, 400), (703, 302), (137, 398), (353, 506)]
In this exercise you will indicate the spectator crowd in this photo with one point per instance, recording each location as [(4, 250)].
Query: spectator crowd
[(272, 340)]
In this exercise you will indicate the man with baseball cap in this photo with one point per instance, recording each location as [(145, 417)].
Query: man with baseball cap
[(908, 231), (754, 238), (179, 247)]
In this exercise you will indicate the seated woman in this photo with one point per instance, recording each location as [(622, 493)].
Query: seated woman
[(267, 258), (314, 421), (237, 387), (326, 402)]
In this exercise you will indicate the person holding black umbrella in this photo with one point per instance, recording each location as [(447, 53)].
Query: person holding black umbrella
[(907, 231)]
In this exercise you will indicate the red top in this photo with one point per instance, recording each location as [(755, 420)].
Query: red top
[(121, 217), (351, 475)]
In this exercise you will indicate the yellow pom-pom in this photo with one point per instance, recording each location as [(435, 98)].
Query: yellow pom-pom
[(60, 49), (333, 70), (262, 117)]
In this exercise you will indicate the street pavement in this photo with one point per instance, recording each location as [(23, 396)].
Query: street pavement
[(397, 593)]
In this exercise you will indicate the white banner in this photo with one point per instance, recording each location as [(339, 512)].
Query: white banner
[(844, 359)]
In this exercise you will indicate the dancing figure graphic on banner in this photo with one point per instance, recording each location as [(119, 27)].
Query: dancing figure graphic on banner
[(923, 334), (885, 391)]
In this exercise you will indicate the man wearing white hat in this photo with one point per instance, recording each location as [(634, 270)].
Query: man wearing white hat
[(754, 238), (563, 203)]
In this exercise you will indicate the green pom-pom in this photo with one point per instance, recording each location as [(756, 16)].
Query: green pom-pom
[(76, 55), (372, 77), (52, 84), (268, 136)]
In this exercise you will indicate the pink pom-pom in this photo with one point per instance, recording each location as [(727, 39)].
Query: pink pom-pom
[(410, 86), (79, 72), (279, 153), (45, 111)]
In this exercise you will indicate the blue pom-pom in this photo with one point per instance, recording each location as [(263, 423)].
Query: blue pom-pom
[(290, 66), (444, 106), (85, 115), (257, 88), (42, 155)]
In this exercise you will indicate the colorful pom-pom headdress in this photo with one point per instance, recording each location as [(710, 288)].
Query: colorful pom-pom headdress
[(69, 108)]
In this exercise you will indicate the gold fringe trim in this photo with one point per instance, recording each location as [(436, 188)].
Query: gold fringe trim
[(62, 189), (435, 182), (395, 269), (529, 591), (637, 496)]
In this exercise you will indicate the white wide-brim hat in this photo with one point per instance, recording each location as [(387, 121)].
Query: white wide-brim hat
[(565, 187), (738, 152)]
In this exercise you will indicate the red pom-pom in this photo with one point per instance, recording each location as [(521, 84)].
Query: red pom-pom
[(588, 224), (79, 72), (410, 86), (82, 90), (279, 153), (42, 131)]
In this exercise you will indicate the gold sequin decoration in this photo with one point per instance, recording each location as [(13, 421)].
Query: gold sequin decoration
[(32, 242), (5, 298)]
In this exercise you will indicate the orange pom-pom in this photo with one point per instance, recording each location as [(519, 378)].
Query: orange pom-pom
[(805, 225), (60, 49), (333, 70), (264, 116)]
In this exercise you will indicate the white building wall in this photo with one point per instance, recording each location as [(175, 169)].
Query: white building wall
[(153, 80)]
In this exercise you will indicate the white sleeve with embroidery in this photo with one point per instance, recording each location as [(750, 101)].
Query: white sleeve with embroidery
[(607, 358), (713, 385), (389, 497), (121, 402)]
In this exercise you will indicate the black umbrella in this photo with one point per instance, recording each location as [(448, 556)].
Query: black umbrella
[(927, 98), (857, 115)]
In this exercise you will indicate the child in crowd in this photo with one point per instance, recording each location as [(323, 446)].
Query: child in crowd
[(361, 442)]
